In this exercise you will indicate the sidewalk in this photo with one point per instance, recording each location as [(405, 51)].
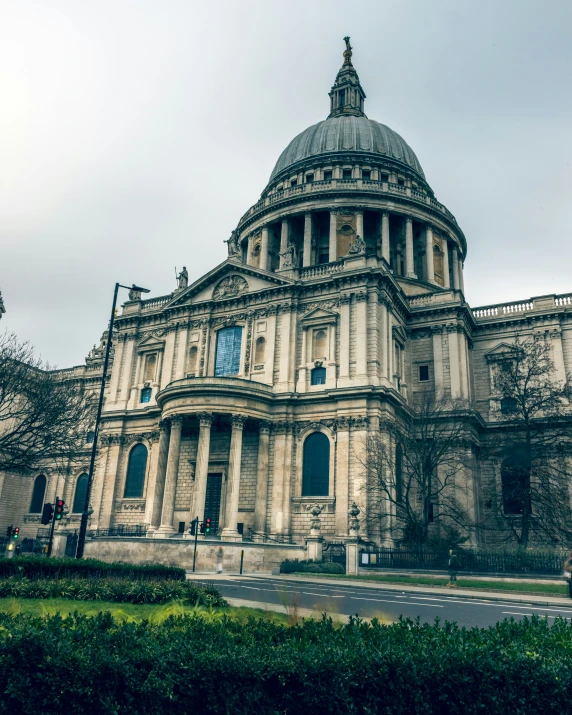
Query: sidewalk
[(483, 595)]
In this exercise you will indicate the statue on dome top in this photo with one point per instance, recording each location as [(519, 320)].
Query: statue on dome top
[(347, 51), (183, 279)]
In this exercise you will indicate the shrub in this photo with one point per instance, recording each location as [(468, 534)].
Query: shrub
[(295, 566), (188, 664), (111, 589), (38, 567)]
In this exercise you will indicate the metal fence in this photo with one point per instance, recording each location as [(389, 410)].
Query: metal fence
[(120, 531), (268, 538), (474, 560), (334, 552)]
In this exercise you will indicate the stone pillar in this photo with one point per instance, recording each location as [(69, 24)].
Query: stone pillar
[(390, 369), (116, 369), (202, 466), (454, 362), (445, 249), (264, 249), (287, 480), (341, 482), (333, 236), (109, 480), (154, 503), (260, 505), (461, 278), (283, 240), (344, 339), (558, 354), (249, 244), (384, 357), (437, 331), (359, 224), (314, 545), (276, 516), (463, 364), (229, 531), (352, 544), (129, 350), (307, 258), (456, 277), (361, 337), (409, 258), (429, 266), (385, 245), (167, 371), (166, 528)]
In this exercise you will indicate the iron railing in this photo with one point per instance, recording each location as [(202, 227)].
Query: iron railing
[(120, 531), (473, 560), (272, 538), (334, 552)]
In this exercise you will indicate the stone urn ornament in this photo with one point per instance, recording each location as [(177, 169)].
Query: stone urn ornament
[(315, 525), (354, 512)]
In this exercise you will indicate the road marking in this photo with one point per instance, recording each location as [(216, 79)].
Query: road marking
[(513, 613), (327, 595), (408, 603)]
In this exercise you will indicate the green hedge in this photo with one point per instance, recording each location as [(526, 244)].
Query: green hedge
[(188, 664), (295, 566), (41, 567), (111, 589)]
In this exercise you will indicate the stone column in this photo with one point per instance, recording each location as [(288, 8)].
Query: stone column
[(264, 249), (287, 480), (461, 278), (276, 515), (456, 278), (390, 369), (361, 338), (262, 478), (167, 371), (558, 354), (307, 258), (385, 246), (429, 266), (463, 364), (129, 351), (384, 366), (202, 466), (283, 240), (166, 528), (437, 331), (342, 446), (333, 236), (359, 224), (116, 369), (109, 481), (229, 531), (454, 362), (154, 503), (409, 258), (249, 244), (344, 340), (445, 249)]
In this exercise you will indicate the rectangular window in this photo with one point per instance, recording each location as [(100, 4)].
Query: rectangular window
[(327, 175), (323, 258), (347, 174), (318, 376), (182, 527), (423, 373), (366, 174), (309, 178), (146, 394), (342, 97), (384, 178), (293, 182), (227, 360)]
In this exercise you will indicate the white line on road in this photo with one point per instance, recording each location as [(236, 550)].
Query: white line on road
[(327, 595), (513, 613), (407, 603)]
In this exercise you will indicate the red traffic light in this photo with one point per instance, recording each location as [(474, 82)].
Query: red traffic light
[(16, 532), (207, 526), (60, 503)]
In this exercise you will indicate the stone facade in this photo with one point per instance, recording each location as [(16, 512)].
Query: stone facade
[(346, 282)]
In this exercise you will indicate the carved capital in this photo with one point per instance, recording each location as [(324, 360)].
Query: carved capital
[(205, 419), (238, 422), (264, 426), (345, 299), (164, 424), (176, 422), (361, 297), (437, 329)]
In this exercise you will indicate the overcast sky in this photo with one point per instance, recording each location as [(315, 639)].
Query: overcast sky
[(135, 133)]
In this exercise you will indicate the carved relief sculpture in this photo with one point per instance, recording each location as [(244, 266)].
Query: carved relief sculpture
[(230, 287)]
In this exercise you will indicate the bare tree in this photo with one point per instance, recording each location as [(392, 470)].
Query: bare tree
[(535, 443), (417, 473), (44, 419)]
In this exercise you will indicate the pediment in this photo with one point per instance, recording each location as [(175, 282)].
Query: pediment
[(229, 280), (319, 315), (399, 333), (500, 351), (151, 342)]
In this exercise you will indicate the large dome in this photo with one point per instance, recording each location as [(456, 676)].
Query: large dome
[(347, 134)]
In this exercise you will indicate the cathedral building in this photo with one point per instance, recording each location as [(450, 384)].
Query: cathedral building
[(247, 396)]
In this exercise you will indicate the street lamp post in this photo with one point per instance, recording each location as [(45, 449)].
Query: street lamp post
[(86, 512)]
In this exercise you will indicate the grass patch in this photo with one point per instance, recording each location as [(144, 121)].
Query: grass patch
[(155, 613), (554, 589)]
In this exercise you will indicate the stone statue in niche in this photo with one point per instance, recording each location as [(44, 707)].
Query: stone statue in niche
[(230, 287), (357, 247), (289, 256), (183, 279), (232, 244)]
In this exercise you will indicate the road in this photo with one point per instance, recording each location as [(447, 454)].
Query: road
[(385, 604)]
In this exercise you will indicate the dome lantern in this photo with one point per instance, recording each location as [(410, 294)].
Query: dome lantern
[(347, 95)]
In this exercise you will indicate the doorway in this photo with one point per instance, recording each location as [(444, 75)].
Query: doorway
[(212, 500)]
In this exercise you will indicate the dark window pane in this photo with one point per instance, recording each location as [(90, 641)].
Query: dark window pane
[(146, 394), (398, 474), (347, 174), (366, 174), (136, 472), (227, 361), (316, 469), (514, 484), (508, 405), (342, 97), (38, 493), (80, 492), (423, 373), (318, 376), (323, 258), (327, 175), (89, 437)]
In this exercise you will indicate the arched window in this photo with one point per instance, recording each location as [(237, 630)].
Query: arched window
[(193, 355), (318, 376), (79, 496), (399, 474), (514, 477), (319, 347), (227, 359), (259, 350), (316, 466), (38, 493), (150, 365), (136, 472)]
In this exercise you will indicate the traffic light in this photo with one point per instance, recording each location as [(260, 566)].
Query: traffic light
[(9, 531), (60, 509), (16, 532), (193, 527), (207, 526), (202, 527), (47, 513)]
